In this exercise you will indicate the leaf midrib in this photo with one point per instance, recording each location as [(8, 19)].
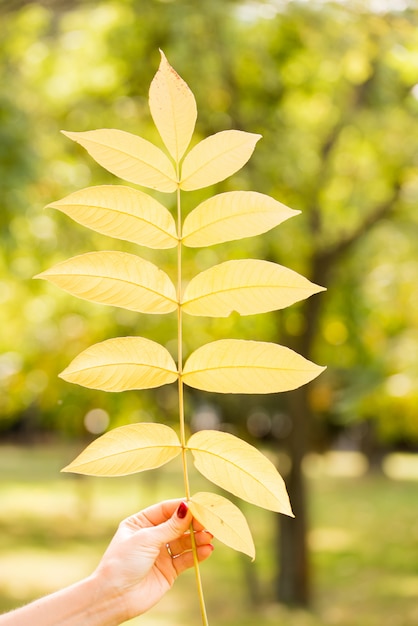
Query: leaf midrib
[(243, 367), (118, 212), (130, 451), (234, 464), (120, 364), (135, 157), (120, 280), (207, 162), (225, 219), (241, 288)]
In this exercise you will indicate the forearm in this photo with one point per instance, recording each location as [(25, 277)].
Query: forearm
[(134, 573), (85, 603)]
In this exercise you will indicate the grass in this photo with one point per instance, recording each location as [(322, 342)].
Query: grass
[(363, 538)]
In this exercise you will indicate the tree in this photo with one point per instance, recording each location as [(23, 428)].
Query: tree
[(337, 182)]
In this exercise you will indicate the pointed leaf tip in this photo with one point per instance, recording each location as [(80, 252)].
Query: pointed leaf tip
[(128, 156), (117, 279), (217, 157), (248, 286), (243, 366), (127, 450), (121, 212), (173, 109), (121, 364), (224, 520), (239, 468), (233, 215)]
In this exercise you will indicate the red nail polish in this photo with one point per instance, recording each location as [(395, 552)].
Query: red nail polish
[(182, 510)]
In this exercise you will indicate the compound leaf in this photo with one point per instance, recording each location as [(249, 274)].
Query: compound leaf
[(127, 450), (215, 158), (121, 212), (239, 468), (224, 520), (115, 278), (241, 366), (247, 286), (121, 364), (233, 215), (173, 109), (128, 156)]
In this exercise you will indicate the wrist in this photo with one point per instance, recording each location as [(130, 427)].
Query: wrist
[(107, 602)]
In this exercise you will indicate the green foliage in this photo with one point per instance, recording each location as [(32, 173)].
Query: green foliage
[(331, 89)]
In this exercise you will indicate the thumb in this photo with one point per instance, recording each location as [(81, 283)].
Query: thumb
[(174, 527)]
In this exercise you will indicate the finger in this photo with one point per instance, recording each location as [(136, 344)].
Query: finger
[(185, 543), (186, 560), (153, 515), (171, 529)]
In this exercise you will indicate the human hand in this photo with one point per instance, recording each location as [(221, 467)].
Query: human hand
[(138, 567)]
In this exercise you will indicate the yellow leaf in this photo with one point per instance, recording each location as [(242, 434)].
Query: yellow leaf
[(224, 520), (123, 213), (247, 286), (115, 278), (216, 157), (233, 215), (240, 366), (239, 468), (128, 156), (173, 109), (127, 450), (122, 363)]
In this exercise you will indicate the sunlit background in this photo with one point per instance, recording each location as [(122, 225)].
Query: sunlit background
[(333, 89)]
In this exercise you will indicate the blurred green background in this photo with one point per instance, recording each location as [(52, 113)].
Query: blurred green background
[(333, 89)]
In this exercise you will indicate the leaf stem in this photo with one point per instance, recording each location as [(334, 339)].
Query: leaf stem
[(181, 408), (180, 350)]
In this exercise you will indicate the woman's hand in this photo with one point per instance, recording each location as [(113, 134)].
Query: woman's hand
[(148, 552)]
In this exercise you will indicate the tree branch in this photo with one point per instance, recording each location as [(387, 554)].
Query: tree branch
[(331, 254)]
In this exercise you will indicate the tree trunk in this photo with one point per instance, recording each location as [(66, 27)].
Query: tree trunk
[(294, 584), (294, 577)]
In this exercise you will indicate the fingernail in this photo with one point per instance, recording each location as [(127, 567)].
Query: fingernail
[(182, 510)]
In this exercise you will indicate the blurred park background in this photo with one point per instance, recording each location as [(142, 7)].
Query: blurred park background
[(333, 89)]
